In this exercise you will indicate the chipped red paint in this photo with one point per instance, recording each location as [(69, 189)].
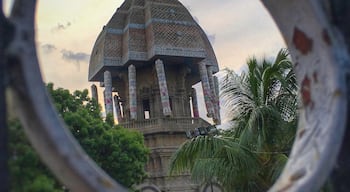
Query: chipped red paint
[(286, 187), (306, 91), (302, 42), (298, 175), (301, 133), (325, 37)]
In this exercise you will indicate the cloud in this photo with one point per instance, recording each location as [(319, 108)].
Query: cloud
[(70, 56), (61, 27), (75, 58), (48, 48)]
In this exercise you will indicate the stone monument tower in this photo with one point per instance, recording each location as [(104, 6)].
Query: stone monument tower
[(147, 58)]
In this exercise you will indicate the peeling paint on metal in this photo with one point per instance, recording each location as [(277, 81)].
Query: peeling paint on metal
[(286, 187), (302, 132), (326, 38), (306, 91), (298, 174), (302, 42)]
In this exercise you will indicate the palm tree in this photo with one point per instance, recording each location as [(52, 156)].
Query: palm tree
[(216, 159), (251, 154), (262, 101)]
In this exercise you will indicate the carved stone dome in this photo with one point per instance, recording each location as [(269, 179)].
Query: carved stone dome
[(142, 30)]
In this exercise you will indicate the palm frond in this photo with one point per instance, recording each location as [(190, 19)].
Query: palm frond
[(200, 147), (276, 166)]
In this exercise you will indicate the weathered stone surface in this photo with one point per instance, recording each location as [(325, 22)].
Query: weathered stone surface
[(141, 30), (156, 52)]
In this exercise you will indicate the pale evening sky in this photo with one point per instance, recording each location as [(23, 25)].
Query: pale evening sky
[(67, 30)]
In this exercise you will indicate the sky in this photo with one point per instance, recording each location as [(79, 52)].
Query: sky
[(67, 30)]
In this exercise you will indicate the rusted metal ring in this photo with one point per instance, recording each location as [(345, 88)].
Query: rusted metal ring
[(320, 56), (317, 49)]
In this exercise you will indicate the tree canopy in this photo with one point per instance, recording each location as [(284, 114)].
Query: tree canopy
[(249, 156), (120, 152)]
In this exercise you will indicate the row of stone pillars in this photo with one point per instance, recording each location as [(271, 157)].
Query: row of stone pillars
[(163, 89), (209, 85)]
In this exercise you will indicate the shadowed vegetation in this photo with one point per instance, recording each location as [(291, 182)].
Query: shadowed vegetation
[(120, 152), (250, 155)]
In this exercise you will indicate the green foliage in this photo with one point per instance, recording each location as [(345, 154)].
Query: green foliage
[(120, 152), (27, 172), (214, 158), (264, 103), (252, 153), (109, 119)]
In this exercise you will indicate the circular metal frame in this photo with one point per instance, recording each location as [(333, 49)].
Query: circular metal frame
[(321, 61), (320, 55)]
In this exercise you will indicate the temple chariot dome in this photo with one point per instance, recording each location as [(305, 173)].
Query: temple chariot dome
[(149, 55)]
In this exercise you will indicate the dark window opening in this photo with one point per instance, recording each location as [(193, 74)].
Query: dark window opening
[(146, 109), (171, 103)]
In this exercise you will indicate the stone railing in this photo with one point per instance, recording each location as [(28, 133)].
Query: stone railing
[(158, 125)]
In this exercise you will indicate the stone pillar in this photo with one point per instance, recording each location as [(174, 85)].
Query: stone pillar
[(212, 89), (194, 103), (132, 92), (117, 108), (94, 93), (163, 89), (123, 108), (206, 89), (214, 86), (108, 92), (211, 78), (217, 93)]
